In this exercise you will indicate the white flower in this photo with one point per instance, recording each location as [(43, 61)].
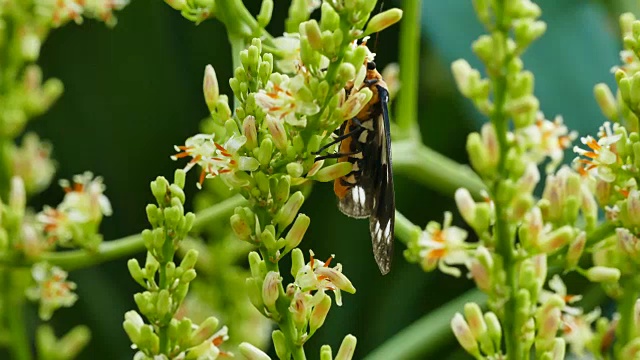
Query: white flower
[(318, 276), (601, 154), (285, 97), (546, 139), (215, 159), (32, 162), (444, 246), (577, 330), (51, 289), (560, 289)]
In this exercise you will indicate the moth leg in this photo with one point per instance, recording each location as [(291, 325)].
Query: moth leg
[(336, 155), (353, 133)]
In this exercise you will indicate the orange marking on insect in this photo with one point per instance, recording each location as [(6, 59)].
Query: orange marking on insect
[(339, 189)]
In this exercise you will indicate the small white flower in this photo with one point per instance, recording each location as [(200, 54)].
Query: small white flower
[(546, 138), (600, 155), (215, 159), (577, 330), (559, 288), (318, 276), (285, 98), (51, 289), (444, 246)]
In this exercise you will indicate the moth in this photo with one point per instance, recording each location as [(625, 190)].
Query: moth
[(367, 191)]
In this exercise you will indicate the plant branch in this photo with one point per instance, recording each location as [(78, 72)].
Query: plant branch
[(407, 104), (433, 169), (126, 246)]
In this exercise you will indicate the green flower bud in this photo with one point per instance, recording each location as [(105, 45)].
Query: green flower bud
[(576, 248), (159, 190), (271, 290), (330, 20), (382, 21), (189, 260), (280, 344), (164, 303), (265, 152), (240, 228), (297, 231), (188, 276), (282, 189), (332, 172), (251, 352), (527, 31), (206, 330), (297, 261), (264, 16), (325, 353), (464, 335), (288, 212), (132, 325), (358, 57), (210, 87), (136, 272), (177, 4), (278, 133), (603, 274), (556, 239), (256, 264), (476, 322), (319, 314), (250, 132), (295, 169), (606, 101), (148, 339), (312, 31), (268, 240), (254, 290), (347, 348), (494, 329)]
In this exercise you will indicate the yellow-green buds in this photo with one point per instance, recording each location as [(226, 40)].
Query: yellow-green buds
[(319, 313), (464, 335), (332, 172), (288, 212), (270, 290), (484, 150), (606, 101), (280, 344), (278, 133), (210, 87), (556, 239), (297, 231), (313, 34), (266, 10), (251, 352), (347, 348), (382, 21), (494, 328), (576, 248), (67, 347), (602, 274)]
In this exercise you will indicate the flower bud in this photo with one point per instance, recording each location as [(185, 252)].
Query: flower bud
[(210, 87), (251, 352), (325, 353), (288, 212), (250, 132), (278, 133), (136, 272), (337, 278), (329, 20), (556, 239), (295, 169), (177, 4), (576, 248), (606, 101), (527, 31), (265, 152), (206, 330), (464, 335), (30, 46), (494, 328), (280, 344), (297, 231), (466, 205), (334, 171), (270, 289), (383, 20), (312, 31), (281, 193), (255, 294), (473, 314), (73, 342), (266, 10), (559, 348), (256, 264), (297, 261), (319, 313), (603, 274), (347, 348)]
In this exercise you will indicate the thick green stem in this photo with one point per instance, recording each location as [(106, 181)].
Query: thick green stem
[(405, 230), (5, 168), (626, 330), (433, 169), (237, 45), (127, 246), (407, 104), (239, 21), (14, 301), (286, 321)]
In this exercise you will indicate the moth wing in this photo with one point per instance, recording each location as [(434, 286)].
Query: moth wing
[(382, 219)]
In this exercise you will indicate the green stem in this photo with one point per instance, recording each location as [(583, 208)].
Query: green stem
[(115, 249), (5, 168), (407, 103), (405, 230), (237, 45), (626, 330), (286, 321), (239, 21), (428, 334), (433, 169), (14, 300)]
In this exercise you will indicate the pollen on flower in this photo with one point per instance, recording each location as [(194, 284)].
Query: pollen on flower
[(600, 155), (317, 276), (213, 158), (546, 138), (51, 289), (285, 98), (443, 246)]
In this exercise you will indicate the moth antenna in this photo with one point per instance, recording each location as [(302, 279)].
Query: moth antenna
[(375, 44)]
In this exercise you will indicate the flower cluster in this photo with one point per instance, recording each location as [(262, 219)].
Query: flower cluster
[(520, 235), (75, 221), (291, 93), (51, 290)]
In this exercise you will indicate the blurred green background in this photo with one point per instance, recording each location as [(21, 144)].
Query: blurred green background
[(133, 92)]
